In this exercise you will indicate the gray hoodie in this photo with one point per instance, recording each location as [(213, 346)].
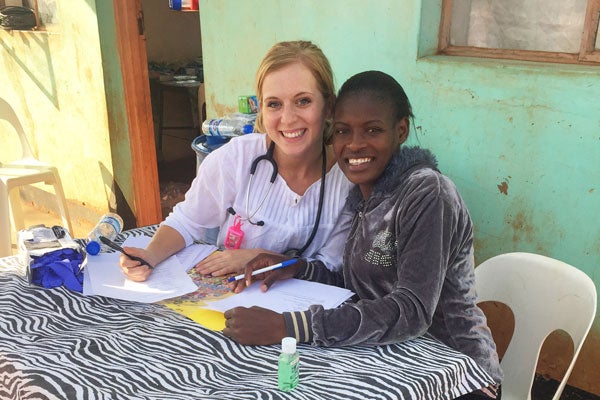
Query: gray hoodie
[(409, 259)]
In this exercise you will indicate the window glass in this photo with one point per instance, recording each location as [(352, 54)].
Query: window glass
[(538, 25), (47, 12)]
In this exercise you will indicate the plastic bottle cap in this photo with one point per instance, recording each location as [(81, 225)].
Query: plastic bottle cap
[(92, 248), (248, 128), (288, 345)]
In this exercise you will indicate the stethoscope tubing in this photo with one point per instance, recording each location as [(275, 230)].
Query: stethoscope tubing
[(268, 156), (320, 207)]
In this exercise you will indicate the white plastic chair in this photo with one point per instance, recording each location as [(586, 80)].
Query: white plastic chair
[(544, 295), (25, 171)]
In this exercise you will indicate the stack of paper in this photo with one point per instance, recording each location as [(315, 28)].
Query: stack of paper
[(288, 295), (104, 277), (170, 280)]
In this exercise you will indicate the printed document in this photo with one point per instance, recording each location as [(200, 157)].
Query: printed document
[(287, 295), (104, 277)]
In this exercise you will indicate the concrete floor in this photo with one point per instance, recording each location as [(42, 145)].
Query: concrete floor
[(175, 175), (35, 215), (176, 169)]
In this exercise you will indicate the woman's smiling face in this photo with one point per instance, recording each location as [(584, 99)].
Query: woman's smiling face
[(365, 137), (294, 110)]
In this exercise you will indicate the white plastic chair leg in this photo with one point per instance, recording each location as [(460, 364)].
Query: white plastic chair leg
[(16, 209)]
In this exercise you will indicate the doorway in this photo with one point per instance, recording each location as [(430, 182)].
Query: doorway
[(174, 54), (178, 164)]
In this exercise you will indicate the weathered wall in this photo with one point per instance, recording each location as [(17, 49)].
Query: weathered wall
[(521, 140), (54, 81)]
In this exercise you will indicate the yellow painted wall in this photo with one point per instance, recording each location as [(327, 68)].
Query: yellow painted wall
[(54, 82)]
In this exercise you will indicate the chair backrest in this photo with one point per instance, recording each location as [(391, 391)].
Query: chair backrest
[(7, 113), (544, 295)]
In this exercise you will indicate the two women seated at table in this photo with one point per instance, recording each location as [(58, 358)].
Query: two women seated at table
[(409, 252), (408, 236)]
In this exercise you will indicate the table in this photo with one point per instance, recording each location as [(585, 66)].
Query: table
[(59, 344), (192, 88)]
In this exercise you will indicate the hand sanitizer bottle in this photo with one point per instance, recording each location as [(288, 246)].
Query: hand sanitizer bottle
[(288, 368)]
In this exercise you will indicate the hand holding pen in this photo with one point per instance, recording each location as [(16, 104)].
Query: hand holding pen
[(132, 261), (118, 248), (273, 267)]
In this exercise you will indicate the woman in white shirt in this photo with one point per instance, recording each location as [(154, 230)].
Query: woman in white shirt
[(287, 211)]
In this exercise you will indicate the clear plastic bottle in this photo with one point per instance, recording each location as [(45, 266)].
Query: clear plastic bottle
[(288, 365), (109, 226), (230, 125)]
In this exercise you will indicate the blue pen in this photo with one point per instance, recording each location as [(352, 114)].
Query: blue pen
[(282, 264)]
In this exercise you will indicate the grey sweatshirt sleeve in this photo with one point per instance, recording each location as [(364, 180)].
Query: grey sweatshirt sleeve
[(299, 323)]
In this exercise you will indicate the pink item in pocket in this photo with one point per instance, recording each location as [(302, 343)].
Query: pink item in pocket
[(235, 234)]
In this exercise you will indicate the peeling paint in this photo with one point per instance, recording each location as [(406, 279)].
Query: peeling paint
[(503, 187), (521, 223), (221, 109)]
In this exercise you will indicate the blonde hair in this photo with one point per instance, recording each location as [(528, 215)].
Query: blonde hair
[(283, 54)]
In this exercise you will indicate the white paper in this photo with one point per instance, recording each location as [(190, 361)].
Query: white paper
[(104, 277), (287, 295), (193, 254)]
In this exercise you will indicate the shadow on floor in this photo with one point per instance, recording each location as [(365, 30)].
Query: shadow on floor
[(175, 178), (544, 389)]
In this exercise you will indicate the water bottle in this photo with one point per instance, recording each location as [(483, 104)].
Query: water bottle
[(109, 226), (288, 373), (231, 125)]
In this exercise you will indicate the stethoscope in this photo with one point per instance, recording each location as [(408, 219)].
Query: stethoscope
[(268, 156)]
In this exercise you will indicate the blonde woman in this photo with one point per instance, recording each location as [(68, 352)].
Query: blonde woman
[(281, 187)]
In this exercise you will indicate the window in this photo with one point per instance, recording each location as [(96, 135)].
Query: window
[(562, 31)]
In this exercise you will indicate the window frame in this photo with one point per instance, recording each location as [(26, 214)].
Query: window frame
[(41, 25), (587, 55)]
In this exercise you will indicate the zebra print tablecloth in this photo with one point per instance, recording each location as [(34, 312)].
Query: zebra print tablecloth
[(58, 344)]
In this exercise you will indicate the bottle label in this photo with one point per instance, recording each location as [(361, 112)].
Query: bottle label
[(288, 372), (213, 127), (112, 222), (247, 104)]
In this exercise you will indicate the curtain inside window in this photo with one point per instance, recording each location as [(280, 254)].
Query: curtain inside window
[(542, 25)]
